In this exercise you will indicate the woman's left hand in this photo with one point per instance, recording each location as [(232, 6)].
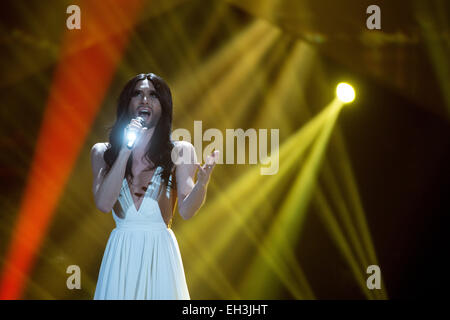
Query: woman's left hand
[(204, 172)]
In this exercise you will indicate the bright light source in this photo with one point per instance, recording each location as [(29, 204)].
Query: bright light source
[(345, 92), (131, 138)]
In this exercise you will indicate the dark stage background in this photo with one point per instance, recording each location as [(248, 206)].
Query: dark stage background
[(396, 134)]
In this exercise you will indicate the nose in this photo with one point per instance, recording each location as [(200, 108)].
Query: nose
[(145, 100)]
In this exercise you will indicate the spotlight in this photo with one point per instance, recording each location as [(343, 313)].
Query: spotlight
[(345, 92)]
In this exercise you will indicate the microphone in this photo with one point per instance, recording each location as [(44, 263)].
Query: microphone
[(132, 136)]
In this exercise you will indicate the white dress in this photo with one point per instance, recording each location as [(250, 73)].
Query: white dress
[(142, 259)]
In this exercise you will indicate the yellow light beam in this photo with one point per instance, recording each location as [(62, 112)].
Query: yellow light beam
[(233, 80), (344, 213), (332, 225), (211, 70), (244, 187), (288, 223), (280, 95), (356, 205)]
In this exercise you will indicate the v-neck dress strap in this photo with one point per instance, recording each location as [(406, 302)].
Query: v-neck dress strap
[(125, 213)]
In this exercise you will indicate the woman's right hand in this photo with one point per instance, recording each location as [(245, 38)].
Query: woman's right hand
[(133, 126)]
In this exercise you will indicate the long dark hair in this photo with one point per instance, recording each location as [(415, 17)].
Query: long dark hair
[(160, 146)]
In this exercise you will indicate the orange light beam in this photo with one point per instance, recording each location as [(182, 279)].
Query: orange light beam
[(88, 59)]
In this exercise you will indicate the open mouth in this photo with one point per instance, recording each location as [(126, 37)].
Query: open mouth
[(144, 113)]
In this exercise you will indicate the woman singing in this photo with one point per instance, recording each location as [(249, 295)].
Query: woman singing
[(141, 183)]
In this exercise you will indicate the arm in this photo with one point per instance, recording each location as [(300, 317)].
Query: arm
[(191, 196), (106, 188)]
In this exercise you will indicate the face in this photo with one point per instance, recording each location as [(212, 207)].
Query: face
[(145, 103)]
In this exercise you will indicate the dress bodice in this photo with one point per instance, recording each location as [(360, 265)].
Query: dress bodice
[(125, 213)]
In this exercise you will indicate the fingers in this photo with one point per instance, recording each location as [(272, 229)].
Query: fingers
[(205, 169), (212, 160), (209, 165), (201, 170), (135, 125)]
